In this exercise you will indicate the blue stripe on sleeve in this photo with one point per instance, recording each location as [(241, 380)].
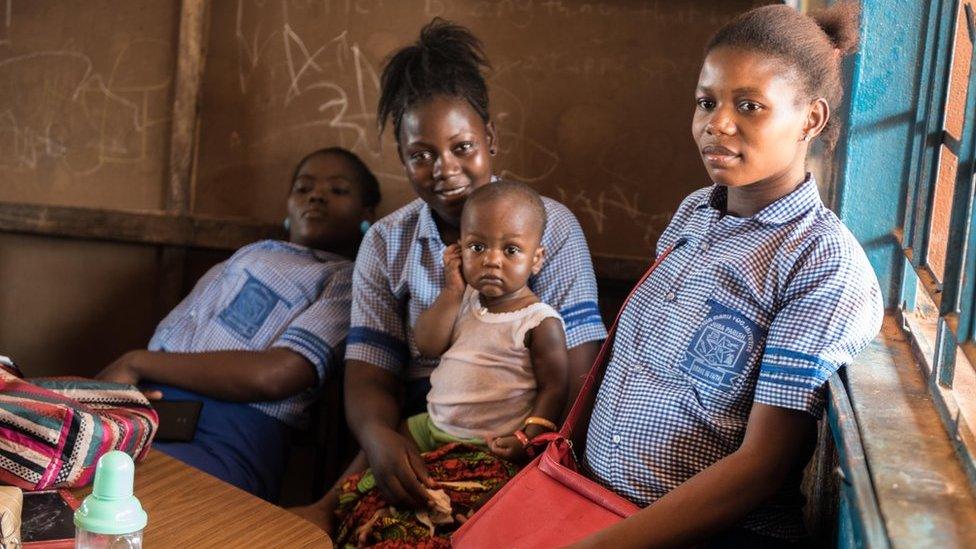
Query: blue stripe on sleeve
[(310, 341), (788, 353), (587, 306), (318, 359), (802, 384), (586, 312), (811, 373), (361, 335)]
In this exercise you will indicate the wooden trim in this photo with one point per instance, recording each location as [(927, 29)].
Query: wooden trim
[(190, 62), (193, 231), (928, 281), (853, 468), (142, 227)]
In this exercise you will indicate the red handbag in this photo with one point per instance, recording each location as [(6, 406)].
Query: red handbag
[(549, 503)]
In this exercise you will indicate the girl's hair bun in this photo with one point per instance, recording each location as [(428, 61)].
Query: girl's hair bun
[(840, 23), (446, 59)]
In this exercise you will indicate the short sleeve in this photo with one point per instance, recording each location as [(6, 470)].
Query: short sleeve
[(567, 282), (163, 334), (377, 333), (539, 313), (319, 332), (831, 309)]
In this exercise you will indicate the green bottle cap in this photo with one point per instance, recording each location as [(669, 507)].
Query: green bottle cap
[(111, 508)]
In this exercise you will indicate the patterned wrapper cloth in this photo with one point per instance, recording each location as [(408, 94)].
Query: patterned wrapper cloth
[(465, 473)]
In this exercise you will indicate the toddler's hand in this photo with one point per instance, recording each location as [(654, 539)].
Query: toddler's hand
[(453, 279), (508, 447)]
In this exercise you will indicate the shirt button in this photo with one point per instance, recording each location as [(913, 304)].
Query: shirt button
[(193, 313), (669, 296), (616, 439), (704, 246)]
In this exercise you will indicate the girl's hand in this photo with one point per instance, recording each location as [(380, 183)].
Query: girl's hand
[(453, 279), (508, 447), (400, 472), (123, 370)]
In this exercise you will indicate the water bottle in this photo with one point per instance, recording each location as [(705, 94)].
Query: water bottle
[(111, 517)]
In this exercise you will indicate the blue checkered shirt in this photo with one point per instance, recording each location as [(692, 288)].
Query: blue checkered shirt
[(400, 272), (745, 310), (268, 294)]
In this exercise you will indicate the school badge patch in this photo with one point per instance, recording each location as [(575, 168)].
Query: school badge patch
[(250, 308), (720, 349)]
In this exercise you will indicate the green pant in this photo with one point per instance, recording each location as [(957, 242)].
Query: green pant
[(429, 437)]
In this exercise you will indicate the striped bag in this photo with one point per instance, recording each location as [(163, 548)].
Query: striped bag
[(53, 430)]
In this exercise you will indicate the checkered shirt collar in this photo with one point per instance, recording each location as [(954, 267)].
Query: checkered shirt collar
[(322, 256), (784, 210), (427, 227)]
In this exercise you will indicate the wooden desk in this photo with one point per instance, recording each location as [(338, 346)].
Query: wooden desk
[(189, 508)]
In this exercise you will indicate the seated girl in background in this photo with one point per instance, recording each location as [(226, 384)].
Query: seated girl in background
[(502, 375), (707, 412), (261, 332)]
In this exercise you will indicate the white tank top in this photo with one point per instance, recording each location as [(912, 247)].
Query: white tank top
[(484, 385)]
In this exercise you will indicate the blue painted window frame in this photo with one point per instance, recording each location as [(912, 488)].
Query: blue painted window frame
[(955, 294)]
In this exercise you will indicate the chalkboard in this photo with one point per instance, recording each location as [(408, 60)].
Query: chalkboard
[(593, 100), (85, 101)]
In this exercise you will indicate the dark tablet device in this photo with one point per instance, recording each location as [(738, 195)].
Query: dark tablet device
[(177, 419), (47, 519)]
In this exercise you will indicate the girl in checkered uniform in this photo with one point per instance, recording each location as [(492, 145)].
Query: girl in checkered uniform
[(708, 409)]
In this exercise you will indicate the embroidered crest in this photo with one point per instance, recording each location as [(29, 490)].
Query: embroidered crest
[(250, 308), (720, 349)]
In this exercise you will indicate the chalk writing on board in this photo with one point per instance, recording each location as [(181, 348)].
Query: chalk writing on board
[(594, 205), (513, 141), (249, 51), (316, 75), (83, 120)]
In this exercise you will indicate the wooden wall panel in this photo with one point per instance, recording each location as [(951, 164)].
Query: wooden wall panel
[(70, 307), (85, 101)]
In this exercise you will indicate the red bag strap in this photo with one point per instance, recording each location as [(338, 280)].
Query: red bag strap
[(574, 413)]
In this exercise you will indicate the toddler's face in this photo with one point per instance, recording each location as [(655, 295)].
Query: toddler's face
[(500, 246)]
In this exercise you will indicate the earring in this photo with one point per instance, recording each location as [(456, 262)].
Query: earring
[(806, 137), (286, 224), (364, 226)]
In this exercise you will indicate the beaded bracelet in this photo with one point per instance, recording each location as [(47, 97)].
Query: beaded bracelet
[(526, 443)]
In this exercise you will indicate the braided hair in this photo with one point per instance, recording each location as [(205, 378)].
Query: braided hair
[(810, 45), (447, 59)]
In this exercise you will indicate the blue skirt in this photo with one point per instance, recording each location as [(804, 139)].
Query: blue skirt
[(233, 442)]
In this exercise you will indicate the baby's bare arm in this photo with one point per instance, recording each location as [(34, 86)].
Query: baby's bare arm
[(550, 362)]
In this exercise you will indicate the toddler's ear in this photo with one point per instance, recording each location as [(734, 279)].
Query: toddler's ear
[(538, 260)]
